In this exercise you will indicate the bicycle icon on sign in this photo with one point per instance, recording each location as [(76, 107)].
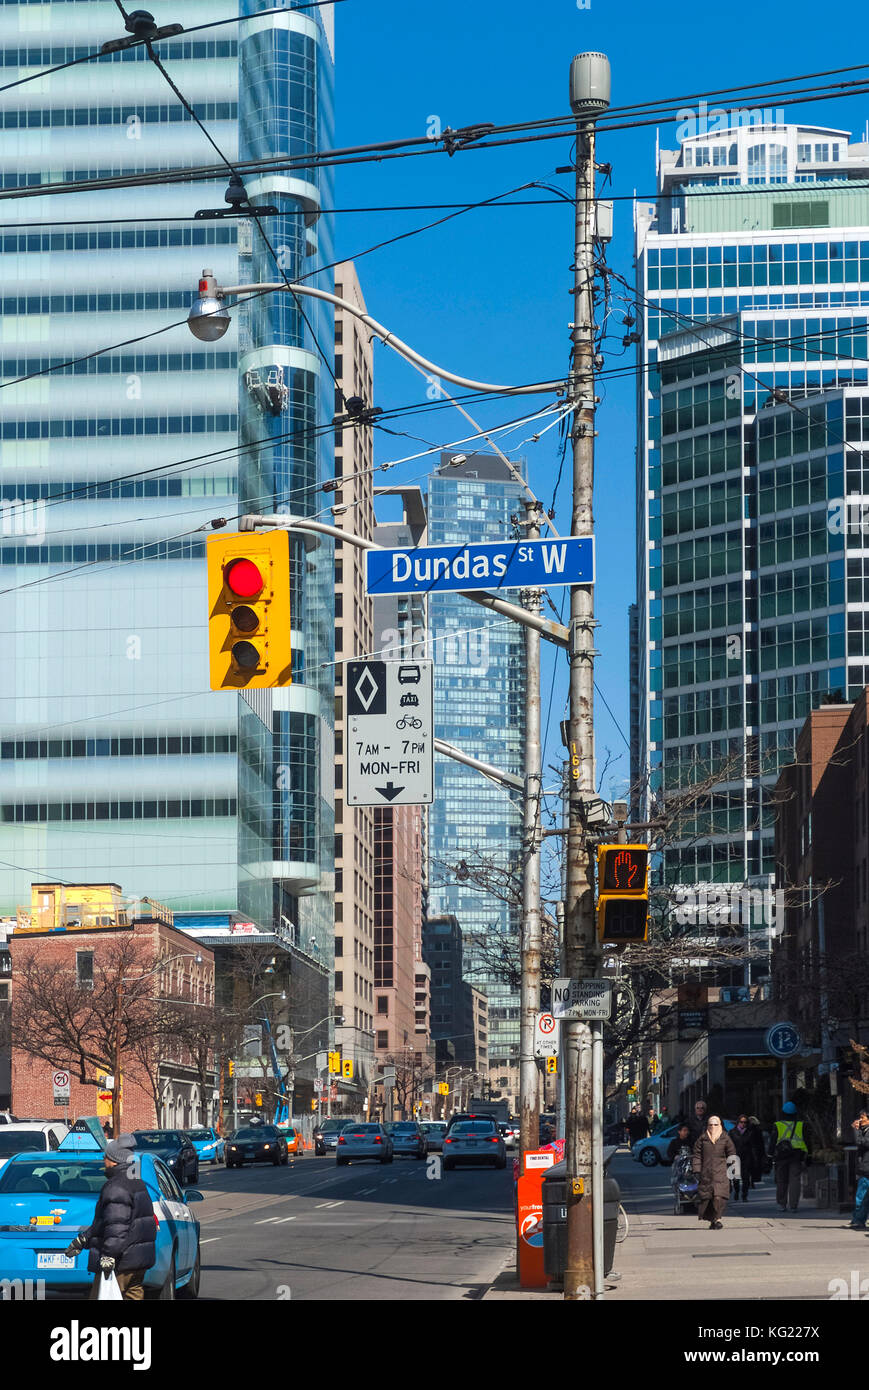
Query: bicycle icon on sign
[(408, 722)]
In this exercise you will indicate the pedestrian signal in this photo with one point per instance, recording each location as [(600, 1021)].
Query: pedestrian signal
[(249, 611), (335, 1061), (623, 888)]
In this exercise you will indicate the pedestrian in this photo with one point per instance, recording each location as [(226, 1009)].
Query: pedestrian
[(790, 1152), (681, 1141), (711, 1152), (637, 1125), (122, 1236), (861, 1199), (699, 1120), (748, 1143)]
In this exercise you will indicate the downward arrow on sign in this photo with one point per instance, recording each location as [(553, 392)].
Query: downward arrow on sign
[(389, 791)]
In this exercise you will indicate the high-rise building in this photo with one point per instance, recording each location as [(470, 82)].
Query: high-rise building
[(353, 505), (753, 287), (117, 762), (479, 707)]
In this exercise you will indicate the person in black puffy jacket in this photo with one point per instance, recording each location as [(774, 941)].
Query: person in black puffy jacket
[(122, 1236)]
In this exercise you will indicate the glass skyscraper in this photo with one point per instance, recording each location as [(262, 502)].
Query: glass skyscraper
[(479, 707), (752, 606), (117, 762)]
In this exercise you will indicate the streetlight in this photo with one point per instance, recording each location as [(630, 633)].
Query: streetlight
[(116, 1099)]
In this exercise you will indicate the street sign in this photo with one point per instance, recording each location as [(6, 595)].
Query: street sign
[(783, 1040), (389, 745), (545, 1036), (588, 1000), (491, 565), (60, 1087)]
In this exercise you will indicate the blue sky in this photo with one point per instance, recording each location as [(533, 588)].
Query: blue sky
[(487, 294)]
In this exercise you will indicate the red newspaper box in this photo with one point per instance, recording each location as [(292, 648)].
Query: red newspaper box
[(529, 1219)]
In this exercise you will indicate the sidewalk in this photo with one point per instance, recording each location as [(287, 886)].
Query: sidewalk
[(760, 1254)]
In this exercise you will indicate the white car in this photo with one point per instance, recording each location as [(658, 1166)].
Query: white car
[(33, 1136), (653, 1150)]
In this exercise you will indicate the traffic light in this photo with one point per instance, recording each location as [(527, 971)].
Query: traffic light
[(232, 1068), (443, 1088), (258, 1098), (623, 892), (313, 1105), (653, 1066), (249, 611), (347, 1068), (551, 1064), (335, 1061)]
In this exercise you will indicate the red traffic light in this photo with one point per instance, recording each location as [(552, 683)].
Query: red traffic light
[(243, 578)]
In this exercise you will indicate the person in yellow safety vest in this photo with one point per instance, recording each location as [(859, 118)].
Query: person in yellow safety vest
[(790, 1152)]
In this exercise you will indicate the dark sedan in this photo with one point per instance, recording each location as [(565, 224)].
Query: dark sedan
[(256, 1144), (176, 1149), (407, 1138)]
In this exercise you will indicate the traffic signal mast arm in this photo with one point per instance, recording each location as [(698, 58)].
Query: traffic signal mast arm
[(553, 632)]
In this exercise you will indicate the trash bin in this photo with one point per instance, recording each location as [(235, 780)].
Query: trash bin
[(555, 1222)]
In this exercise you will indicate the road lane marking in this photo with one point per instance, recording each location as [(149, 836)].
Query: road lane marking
[(282, 1221), (209, 1240), (266, 1219)]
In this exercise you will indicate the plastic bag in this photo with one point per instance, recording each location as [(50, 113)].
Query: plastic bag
[(109, 1289)]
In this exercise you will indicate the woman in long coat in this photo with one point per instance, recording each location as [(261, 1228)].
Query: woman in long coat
[(709, 1161)]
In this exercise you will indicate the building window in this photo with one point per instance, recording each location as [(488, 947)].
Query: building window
[(339, 979), (339, 945), (382, 1004), (84, 969), (383, 1040)]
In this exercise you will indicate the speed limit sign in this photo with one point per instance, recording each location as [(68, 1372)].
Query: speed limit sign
[(545, 1036)]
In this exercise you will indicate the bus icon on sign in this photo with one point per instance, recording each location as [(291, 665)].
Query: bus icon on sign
[(408, 675)]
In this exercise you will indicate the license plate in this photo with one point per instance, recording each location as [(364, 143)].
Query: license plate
[(49, 1260)]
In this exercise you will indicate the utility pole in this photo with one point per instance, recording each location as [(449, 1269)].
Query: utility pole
[(589, 98), (529, 1003)]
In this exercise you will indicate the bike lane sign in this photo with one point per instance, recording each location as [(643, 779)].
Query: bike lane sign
[(389, 739)]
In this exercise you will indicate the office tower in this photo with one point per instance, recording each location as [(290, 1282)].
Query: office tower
[(753, 281), (479, 707), (118, 763), (353, 507)]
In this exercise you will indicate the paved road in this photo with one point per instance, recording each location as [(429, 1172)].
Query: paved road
[(314, 1231)]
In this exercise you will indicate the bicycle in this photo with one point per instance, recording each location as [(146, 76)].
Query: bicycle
[(623, 1226), (405, 722)]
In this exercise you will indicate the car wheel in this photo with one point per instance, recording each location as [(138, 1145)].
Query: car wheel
[(501, 1163), (194, 1180), (384, 1159), (448, 1166), (276, 1161), (649, 1158), (340, 1162), (167, 1293), (191, 1288)]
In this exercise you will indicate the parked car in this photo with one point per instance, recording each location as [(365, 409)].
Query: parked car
[(256, 1144), (474, 1141), (29, 1137), (208, 1144), (653, 1150), (174, 1147), (46, 1199), (434, 1131), (7, 1118), (358, 1141), (407, 1138), (294, 1140)]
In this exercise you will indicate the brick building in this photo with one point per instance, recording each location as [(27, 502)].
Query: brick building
[(114, 960), (822, 867)]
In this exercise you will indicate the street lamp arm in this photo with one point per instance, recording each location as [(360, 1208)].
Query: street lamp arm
[(553, 632), (505, 779), (389, 338)]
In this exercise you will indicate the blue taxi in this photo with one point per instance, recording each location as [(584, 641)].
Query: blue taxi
[(46, 1199), (208, 1144)]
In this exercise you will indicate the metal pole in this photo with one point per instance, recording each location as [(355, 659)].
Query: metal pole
[(581, 954), (234, 1100), (597, 1172), (529, 1004)]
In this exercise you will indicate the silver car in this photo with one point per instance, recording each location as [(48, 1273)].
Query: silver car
[(434, 1131), (474, 1141), (363, 1141)]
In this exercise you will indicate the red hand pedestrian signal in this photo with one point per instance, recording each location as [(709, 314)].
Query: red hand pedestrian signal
[(622, 868)]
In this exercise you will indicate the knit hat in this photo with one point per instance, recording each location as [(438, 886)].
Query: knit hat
[(120, 1150), (789, 1108)]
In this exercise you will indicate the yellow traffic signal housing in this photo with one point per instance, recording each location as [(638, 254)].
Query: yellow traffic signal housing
[(335, 1061), (249, 611), (347, 1068), (231, 1068), (623, 888), (551, 1064)]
